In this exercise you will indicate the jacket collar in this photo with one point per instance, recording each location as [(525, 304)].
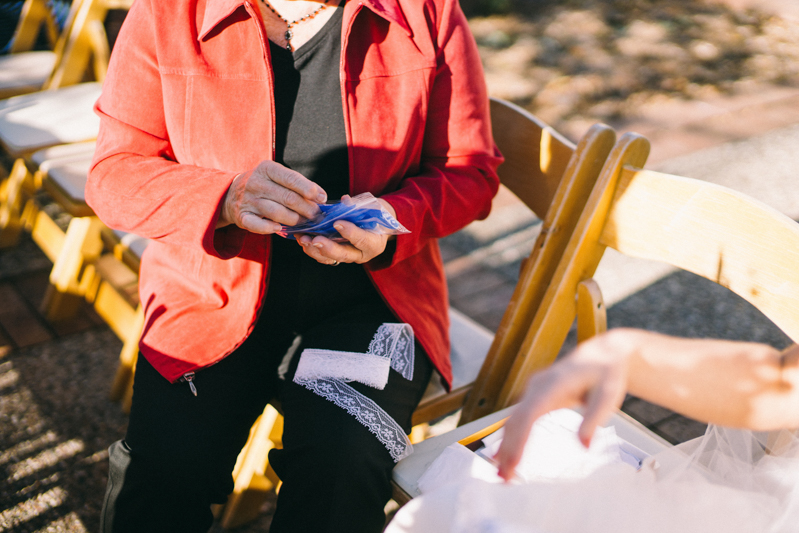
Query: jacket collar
[(218, 10)]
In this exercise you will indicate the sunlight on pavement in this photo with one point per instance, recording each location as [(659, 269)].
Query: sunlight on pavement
[(46, 459), (20, 416), (70, 523), (32, 508), (27, 447)]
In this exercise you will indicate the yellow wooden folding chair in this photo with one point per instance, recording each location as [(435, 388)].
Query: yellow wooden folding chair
[(553, 177), (61, 114), (83, 39), (63, 225), (710, 230), (34, 17), (115, 296), (707, 229), (80, 269), (24, 70)]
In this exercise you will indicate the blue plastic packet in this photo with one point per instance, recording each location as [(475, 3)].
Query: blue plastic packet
[(362, 210)]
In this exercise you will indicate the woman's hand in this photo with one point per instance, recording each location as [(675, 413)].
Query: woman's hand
[(593, 375), (361, 247), (268, 196)]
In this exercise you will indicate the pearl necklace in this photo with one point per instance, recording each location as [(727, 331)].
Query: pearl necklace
[(290, 23)]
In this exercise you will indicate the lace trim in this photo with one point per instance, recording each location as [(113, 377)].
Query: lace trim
[(364, 368), (324, 373), (396, 342), (365, 411)]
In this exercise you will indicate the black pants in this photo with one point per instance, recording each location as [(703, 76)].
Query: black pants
[(179, 450)]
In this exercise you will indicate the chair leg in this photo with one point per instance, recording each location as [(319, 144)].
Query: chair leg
[(122, 388), (82, 246), (253, 477), (12, 204), (127, 398)]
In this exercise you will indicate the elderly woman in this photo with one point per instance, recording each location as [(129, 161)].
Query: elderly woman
[(221, 121)]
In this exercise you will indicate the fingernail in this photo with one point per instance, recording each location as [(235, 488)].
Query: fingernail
[(317, 244), (321, 197), (338, 226)]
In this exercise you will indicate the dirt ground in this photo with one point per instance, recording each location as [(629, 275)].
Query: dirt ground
[(576, 62)]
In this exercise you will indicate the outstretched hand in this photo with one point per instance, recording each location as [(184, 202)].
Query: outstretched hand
[(268, 196), (361, 246), (593, 375)]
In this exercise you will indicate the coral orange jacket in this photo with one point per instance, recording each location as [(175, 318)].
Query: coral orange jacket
[(187, 105)]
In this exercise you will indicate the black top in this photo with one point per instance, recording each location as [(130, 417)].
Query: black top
[(310, 138), (309, 134)]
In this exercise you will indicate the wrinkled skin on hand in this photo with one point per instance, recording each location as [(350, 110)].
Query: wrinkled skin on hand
[(272, 195)]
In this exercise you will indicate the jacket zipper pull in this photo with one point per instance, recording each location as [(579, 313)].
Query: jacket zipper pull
[(189, 378)]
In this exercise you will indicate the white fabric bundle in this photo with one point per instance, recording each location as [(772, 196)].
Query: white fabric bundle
[(364, 368), (728, 481)]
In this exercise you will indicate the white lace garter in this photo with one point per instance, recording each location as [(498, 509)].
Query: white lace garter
[(325, 372)]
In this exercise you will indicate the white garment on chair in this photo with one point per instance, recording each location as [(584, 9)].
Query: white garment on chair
[(728, 481)]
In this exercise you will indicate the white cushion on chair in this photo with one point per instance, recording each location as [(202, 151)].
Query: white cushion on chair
[(46, 118), (133, 242), (469, 345), (26, 69), (71, 176), (47, 157)]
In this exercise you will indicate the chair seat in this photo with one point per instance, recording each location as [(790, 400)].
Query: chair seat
[(33, 121), (27, 71), (70, 176), (470, 343), (132, 242), (45, 158)]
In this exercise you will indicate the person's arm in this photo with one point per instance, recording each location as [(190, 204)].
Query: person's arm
[(735, 384), (457, 178)]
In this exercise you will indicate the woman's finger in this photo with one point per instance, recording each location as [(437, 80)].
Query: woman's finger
[(543, 394), (293, 181), (601, 401), (368, 244), (255, 223), (263, 186), (278, 212), (326, 251)]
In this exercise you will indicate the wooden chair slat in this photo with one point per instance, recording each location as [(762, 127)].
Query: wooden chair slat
[(580, 175), (715, 232)]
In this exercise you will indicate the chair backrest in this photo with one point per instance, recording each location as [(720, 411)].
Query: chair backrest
[(554, 178), (34, 15), (82, 40), (710, 230)]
